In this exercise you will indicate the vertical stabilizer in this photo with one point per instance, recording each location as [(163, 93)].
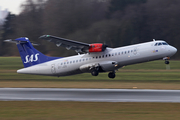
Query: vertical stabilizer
[(29, 55)]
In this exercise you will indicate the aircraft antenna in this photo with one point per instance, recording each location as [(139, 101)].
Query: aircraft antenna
[(154, 40)]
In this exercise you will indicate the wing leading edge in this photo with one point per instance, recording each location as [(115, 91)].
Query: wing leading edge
[(79, 47)]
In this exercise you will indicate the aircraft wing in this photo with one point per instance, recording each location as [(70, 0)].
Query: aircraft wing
[(68, 44), (79, 47)]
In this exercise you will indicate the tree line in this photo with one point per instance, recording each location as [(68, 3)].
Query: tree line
[(114, 22)]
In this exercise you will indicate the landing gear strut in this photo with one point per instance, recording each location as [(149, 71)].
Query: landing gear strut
[(112, 75), (166, 60)]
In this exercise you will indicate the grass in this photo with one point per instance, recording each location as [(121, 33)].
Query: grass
[(155, 70), (121, 75), (10, 63), (44, 110), (150, 75)]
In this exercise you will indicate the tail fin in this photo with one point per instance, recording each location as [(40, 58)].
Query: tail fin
[(29, 55)]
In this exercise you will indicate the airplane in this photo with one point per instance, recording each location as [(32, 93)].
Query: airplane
[(92, 58)]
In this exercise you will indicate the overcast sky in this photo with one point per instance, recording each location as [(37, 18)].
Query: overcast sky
[(12, 5)]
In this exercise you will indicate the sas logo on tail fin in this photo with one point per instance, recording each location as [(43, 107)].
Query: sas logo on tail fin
[(31, 58)]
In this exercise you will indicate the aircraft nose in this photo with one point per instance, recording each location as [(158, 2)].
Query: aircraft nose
[(173, 50)]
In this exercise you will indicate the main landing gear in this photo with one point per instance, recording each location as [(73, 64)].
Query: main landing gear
[(96, 73), (112, 74)]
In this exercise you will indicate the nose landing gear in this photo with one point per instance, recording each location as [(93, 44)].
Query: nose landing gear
[(166, 60)]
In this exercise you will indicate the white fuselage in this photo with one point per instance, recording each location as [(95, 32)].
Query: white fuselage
[(122, 56)]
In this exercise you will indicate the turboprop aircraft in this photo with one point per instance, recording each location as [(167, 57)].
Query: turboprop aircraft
[(92, 58)]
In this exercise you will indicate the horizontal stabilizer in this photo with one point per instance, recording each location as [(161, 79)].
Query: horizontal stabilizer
[(20, 40)]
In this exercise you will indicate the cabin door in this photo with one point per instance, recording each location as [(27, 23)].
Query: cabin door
[(53, 69)]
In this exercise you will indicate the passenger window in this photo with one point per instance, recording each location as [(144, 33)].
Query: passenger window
[(67, 62), (80, 60), (106, 55), (112, 54), (76, 60), (119, 53), (125, 52), (128, 51), (99, 56), (115, 53), (102, 56), (96, 57), (109, 55), (122, 53), (70, 62)]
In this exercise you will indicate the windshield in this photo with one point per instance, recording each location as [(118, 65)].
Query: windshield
[(161, 43)]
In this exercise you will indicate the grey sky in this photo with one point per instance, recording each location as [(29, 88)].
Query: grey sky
[(12, 5)]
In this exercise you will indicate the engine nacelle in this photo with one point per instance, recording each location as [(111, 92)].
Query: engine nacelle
[(97, 47), (105, 65), (89, 67), (108, 65)]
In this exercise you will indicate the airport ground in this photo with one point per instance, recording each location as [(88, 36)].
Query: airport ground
[(52, 110), (151, 75)]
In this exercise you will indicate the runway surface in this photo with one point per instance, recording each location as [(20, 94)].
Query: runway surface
[(91, 95)]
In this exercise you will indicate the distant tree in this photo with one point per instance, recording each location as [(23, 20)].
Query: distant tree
[(8, 26), (8, 29), (65, 17), (116, 5), (1, 50), (29, 22), (163, 21), (128, 22)]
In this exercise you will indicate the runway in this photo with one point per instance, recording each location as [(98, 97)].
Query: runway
[(89, 95)]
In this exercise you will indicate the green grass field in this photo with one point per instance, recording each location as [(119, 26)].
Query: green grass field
[(52, 110), (150, 75), (155, 70)]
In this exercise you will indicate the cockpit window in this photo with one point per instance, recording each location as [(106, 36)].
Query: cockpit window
[(159, 44), (164, 43), (156, 44)]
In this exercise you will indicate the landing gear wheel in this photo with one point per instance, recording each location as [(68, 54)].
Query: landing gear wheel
[(94, 73), (166, 62), (111, 75)]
